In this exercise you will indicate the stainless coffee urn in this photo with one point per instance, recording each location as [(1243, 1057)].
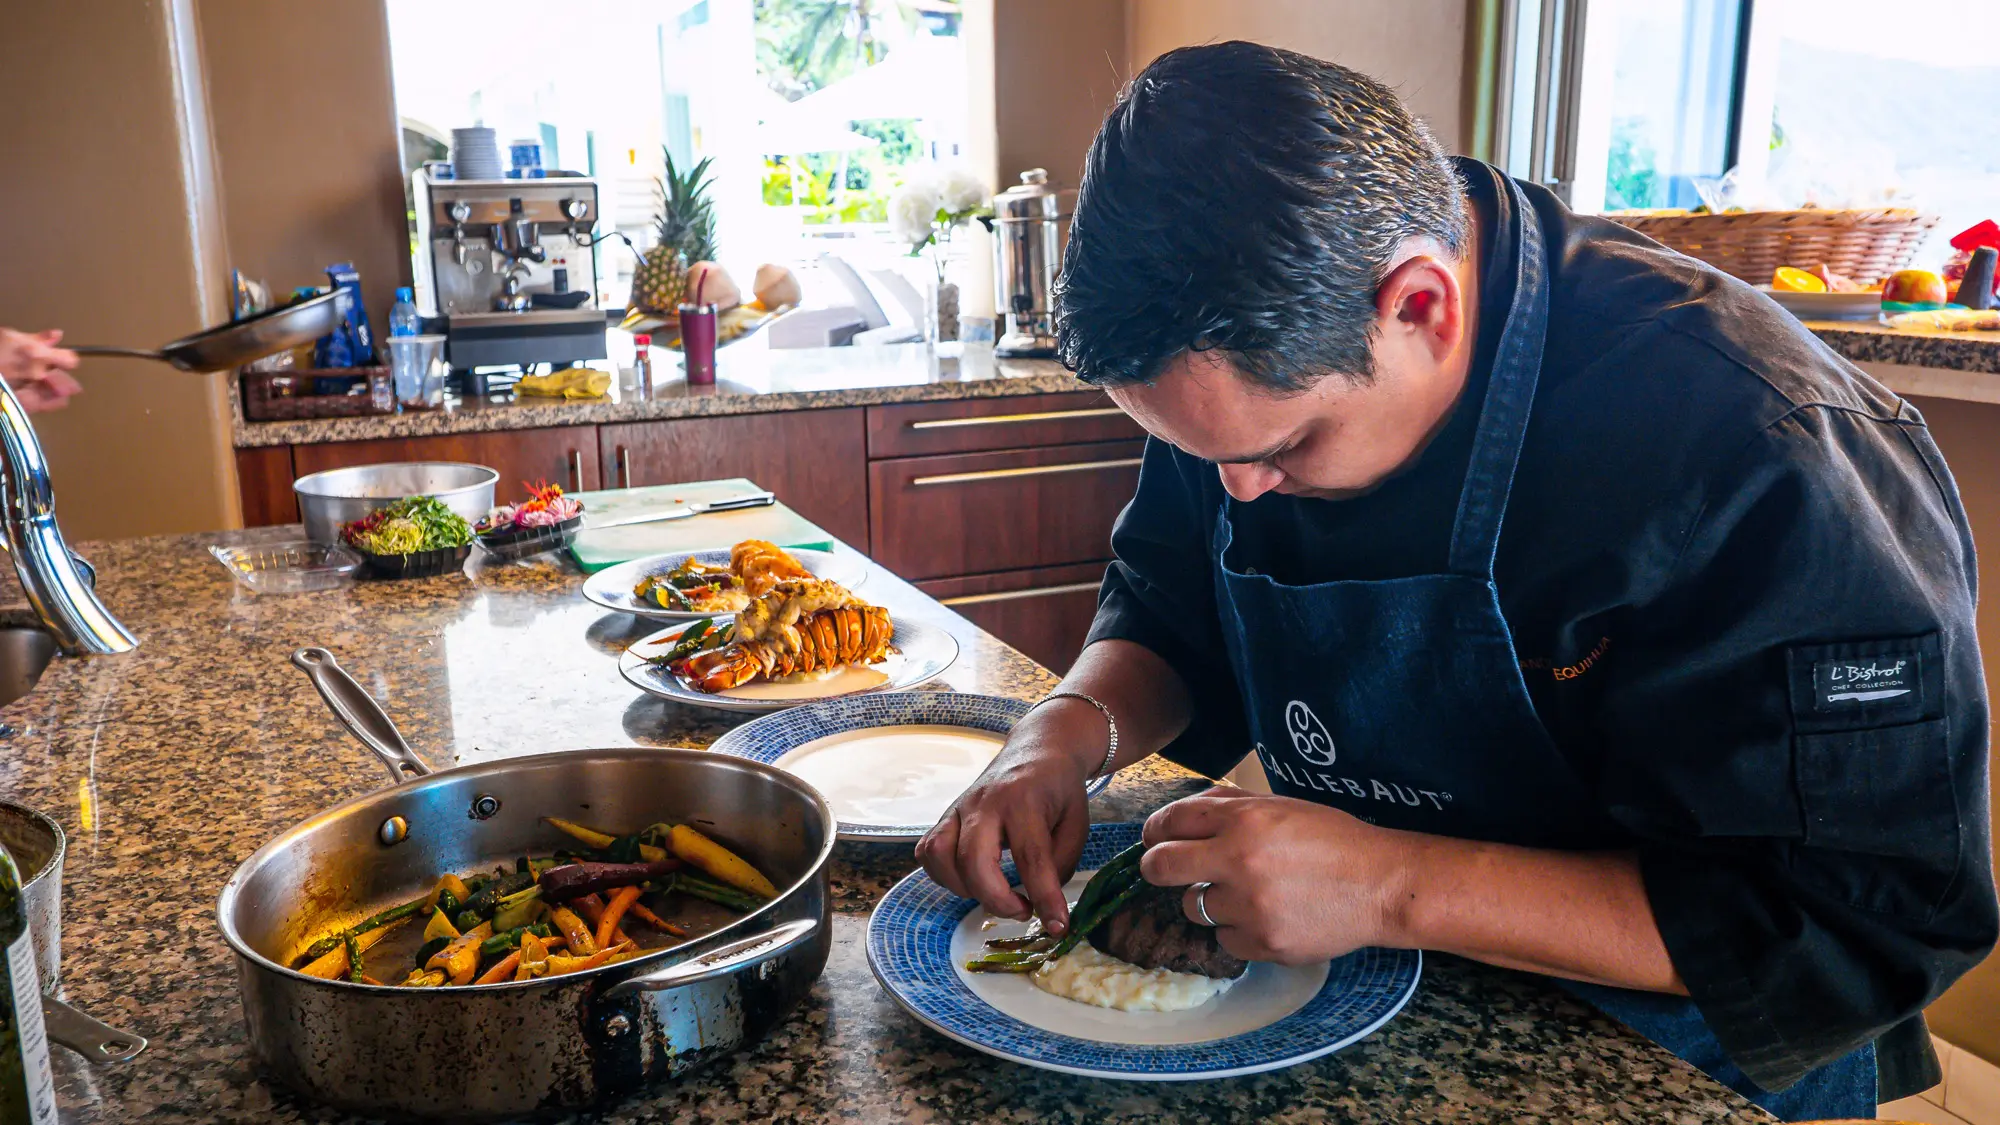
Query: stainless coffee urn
[(1030, 222)]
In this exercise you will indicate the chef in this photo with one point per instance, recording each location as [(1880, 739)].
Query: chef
[(1586, 615)]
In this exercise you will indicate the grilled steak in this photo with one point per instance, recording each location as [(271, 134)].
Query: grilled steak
[(1152, 933)]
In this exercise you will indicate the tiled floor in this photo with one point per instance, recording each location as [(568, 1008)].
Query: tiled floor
[(1969, 1094)]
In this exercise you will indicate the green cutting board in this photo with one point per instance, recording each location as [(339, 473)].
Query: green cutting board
[(595, 550)]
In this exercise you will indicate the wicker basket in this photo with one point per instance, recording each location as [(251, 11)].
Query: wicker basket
[(278, 396), (1865, 245)]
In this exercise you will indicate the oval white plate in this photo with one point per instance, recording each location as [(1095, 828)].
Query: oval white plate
[(1827, 306), (612, 586), (773, 737), (1275, 1016), (919, 653)]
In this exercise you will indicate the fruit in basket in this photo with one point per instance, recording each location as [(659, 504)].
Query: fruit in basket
[(686, 233), (1914, 287), (1790, 279)]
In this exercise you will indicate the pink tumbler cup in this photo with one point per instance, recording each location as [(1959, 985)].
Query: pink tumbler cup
[(698, 343)]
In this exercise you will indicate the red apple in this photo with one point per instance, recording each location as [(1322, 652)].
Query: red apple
[(1914, 287)]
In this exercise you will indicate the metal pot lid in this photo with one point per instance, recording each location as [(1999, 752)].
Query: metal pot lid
[(1033, 198)]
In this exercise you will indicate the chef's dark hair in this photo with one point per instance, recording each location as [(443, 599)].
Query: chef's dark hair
[(1246, 199)]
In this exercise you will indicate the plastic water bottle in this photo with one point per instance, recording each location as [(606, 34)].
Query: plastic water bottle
[(403, 319), (27, 1085)]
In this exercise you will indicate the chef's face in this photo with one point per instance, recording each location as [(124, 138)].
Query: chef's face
[(1341, 436)]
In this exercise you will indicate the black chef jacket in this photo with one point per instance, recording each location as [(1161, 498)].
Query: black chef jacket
[(1715, 519)]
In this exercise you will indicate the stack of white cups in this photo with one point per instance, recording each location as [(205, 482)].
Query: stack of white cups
[(475, 154)]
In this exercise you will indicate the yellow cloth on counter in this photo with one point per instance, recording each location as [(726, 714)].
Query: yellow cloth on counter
[(570, 382)]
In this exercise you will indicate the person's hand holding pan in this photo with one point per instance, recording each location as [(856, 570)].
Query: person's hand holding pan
[(38, 370)]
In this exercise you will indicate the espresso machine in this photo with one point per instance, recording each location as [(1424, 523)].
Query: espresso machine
[(1029, 223), (511, 268)]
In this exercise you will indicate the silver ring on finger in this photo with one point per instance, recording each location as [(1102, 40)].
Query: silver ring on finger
[(1201, 904)]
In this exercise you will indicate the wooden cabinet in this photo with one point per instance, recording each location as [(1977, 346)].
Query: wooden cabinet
[(973, 513), (971, 425), (1045, 612), (565, 455), (815, 460), (1002, 508), (264, 480)]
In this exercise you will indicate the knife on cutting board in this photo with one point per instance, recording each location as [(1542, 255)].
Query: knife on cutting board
[(693, 508)]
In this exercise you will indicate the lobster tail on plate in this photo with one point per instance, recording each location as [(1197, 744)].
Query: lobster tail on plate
[(799, 625)]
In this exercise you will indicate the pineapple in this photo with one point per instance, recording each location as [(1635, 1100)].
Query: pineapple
[(686, 224)]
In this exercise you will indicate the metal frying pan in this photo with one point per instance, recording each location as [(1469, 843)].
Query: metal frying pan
[(243, 341)]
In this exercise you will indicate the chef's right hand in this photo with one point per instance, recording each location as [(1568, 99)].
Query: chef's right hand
[(1031, 801), (37, 370)]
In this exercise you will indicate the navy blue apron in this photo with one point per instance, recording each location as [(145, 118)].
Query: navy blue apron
[(1401, 701)]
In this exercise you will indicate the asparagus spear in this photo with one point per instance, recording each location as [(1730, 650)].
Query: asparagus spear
[(328, 944)]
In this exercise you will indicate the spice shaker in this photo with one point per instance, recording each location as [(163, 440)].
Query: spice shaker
[(642, 365)]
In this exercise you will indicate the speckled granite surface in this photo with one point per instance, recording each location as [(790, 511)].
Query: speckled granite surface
[(1875, 343), (750, 380), (170, 764)]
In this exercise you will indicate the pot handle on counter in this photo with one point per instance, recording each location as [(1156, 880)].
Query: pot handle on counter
[(360, 714), (96, 1041), (721, 961)]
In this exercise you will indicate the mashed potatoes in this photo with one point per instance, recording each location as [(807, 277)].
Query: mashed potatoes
[(1086, 975)]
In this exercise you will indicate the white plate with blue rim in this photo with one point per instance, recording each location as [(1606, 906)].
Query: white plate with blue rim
[(918, 653), (1275, 1016), (890, 765), (612, 587)]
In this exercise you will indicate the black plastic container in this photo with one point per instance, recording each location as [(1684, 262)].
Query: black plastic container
[(519, 543), (417, 564)]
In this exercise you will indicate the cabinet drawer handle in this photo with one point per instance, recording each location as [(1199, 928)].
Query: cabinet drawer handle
[(576, 470), (1007, 419), (624, 467), (1016, 595), (1027, 471)]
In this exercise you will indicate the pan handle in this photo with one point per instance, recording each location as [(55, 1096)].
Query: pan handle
[(136, 353), (721, 961), (98, 1042), (360, 714)]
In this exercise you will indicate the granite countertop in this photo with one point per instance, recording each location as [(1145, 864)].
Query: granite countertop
[(170, 764), (750, 379), (1863, 342), (753, 379)]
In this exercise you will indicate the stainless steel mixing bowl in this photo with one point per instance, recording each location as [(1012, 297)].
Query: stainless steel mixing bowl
[(338, 496)]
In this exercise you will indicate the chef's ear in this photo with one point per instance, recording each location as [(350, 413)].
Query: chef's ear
[(1421, 297)]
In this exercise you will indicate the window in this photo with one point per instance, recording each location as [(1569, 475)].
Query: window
[(1633, 103), (810, 109), (1905, 97)]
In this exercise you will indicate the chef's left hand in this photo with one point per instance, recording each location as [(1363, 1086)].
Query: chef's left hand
[(1293, 881)]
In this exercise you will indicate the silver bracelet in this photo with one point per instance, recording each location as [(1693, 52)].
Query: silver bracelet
[(1111, 753)]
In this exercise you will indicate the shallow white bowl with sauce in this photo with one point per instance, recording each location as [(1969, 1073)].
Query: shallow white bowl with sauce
[(889, 764)]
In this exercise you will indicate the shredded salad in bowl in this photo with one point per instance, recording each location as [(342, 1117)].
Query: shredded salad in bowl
[(408, 526)]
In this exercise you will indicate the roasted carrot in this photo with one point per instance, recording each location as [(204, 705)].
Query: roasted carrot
[(600, 840), (559, 965), (572, 928), (592, 910), (719, 861), (654, 920), (460, 959), (503, 969), (366, 979), (621, 901)]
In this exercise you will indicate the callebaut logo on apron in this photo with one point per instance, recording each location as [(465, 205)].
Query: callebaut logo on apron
[(1309, 735), (1314, 747)]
